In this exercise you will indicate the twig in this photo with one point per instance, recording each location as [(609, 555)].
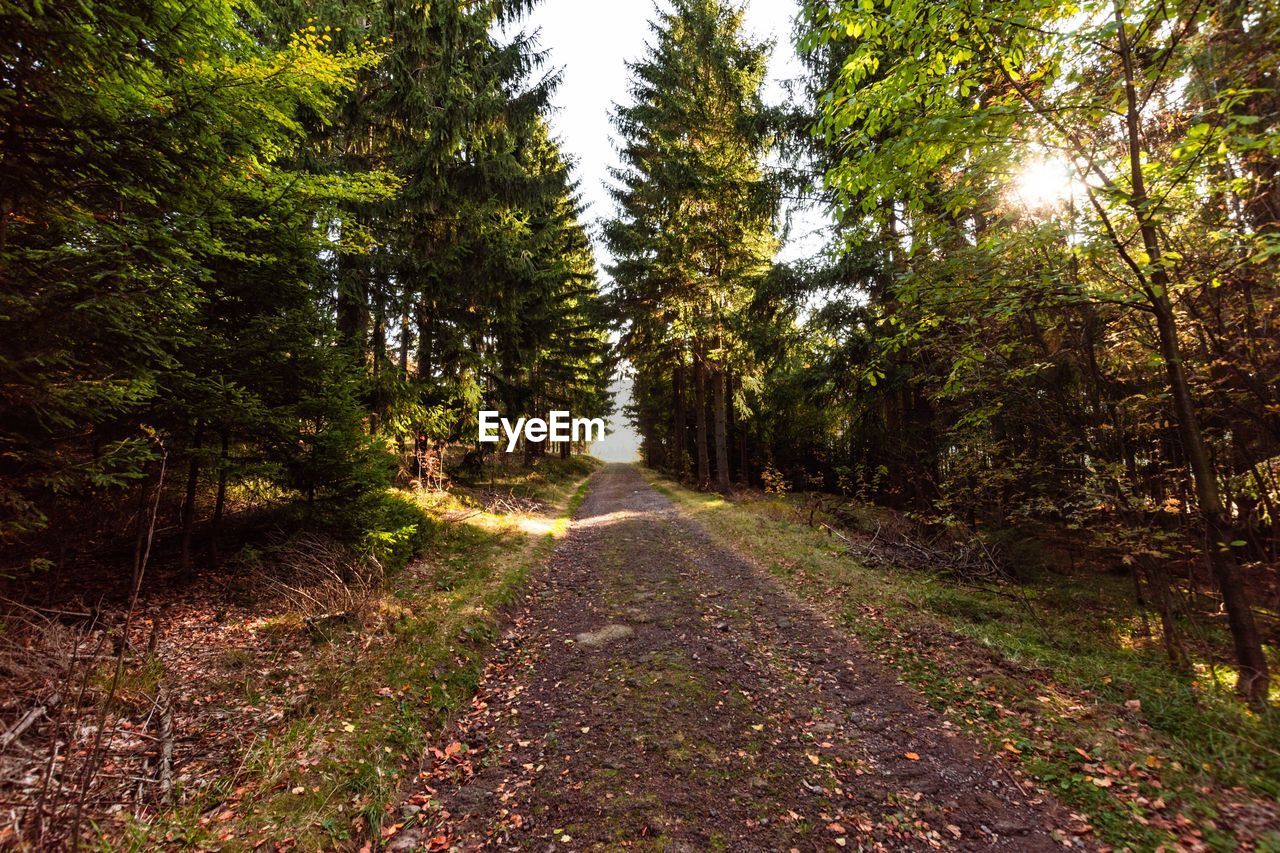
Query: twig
[(95, 753), (166, 748), (838, 534), (1016, 784), (27, 721)]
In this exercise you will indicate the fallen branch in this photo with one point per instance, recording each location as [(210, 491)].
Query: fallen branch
[(838, 535), (27, 721), (165, 771)]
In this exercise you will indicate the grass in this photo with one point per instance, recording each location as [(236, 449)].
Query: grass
[(1069, 689), (377, 695)]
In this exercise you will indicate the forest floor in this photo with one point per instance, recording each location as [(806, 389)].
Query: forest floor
[(287, 728), (623, 662), (1062, 675), (659, 691)]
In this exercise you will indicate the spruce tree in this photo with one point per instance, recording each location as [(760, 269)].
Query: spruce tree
[(694, 230)]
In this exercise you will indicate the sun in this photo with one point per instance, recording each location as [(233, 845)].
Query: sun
[(1042, 183)]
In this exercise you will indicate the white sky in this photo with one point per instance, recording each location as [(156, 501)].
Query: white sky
[(591, 41)]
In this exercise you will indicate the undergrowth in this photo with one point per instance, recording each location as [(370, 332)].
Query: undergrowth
[(372, 696)]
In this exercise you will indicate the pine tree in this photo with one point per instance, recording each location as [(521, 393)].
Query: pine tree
[(694, 231), (144, 146), (273, 246)]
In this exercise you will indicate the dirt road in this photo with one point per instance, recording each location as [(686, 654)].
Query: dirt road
[(657, 691)]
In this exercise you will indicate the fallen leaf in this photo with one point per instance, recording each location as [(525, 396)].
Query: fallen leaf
[(913, 756)]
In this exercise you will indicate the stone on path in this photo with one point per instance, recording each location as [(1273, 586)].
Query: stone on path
[(601, 636)]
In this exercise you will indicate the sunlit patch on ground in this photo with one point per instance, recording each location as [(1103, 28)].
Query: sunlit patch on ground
[(610, 518), (537, 525)]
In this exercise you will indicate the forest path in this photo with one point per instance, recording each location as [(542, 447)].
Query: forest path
[(658, 691)]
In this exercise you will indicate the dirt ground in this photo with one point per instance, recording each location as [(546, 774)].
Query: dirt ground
[(659, 692)]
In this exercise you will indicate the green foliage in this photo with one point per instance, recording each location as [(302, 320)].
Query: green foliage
[(395, 530), (145, 195), (1050, 291), (694, 234), (1005, 335), (270, 242)]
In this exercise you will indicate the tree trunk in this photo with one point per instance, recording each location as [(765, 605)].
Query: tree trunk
[(406, 334), (379, 354), (220, 501), (722, 430), (426, 341), (700, 414), (353, 303), (189, 500), (140, 527), (679, 438), (1254, 680), (1158, 580)]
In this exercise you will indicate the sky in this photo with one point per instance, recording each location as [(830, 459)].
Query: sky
[(591, 42)]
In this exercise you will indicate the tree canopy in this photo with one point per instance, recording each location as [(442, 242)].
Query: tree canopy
[(1049, 294), (270, 244)]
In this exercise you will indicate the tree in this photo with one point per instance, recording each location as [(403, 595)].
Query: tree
[(141, 145), (271, 246), (931, 112), (694, 230)]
